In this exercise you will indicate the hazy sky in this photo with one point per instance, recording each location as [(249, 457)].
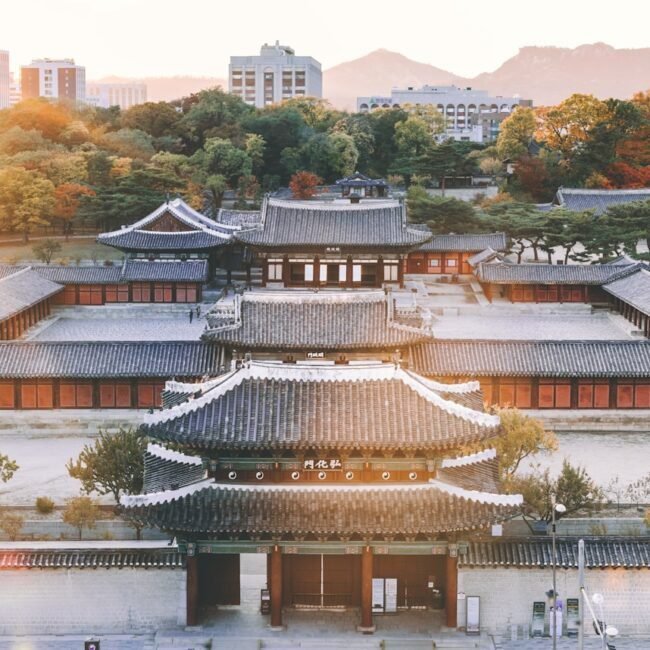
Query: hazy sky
[(196, 37)]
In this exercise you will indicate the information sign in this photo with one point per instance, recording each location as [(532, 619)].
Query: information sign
[(390, 596), (572, 617), (378, 602), (472, 615), (539, 615)]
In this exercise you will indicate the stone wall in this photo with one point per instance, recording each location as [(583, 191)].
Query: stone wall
[(90, 601), (507, 596)]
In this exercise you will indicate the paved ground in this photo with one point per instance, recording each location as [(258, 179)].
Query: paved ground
[(127, 329), (529, 326), (572, 644)]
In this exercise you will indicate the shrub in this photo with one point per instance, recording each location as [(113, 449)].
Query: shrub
[(11, 524), (44, 505)]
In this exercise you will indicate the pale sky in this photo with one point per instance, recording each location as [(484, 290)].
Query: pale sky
[(136, 38)]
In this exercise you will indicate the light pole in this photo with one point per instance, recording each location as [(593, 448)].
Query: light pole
[(604, 629), (560, 509)]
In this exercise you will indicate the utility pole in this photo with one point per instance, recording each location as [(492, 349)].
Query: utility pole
[(581, 587)]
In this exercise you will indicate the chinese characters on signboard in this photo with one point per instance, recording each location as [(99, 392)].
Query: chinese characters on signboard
[(322, 464)]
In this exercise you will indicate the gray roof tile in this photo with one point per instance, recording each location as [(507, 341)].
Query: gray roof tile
[(466, 243), (598, 200), (633, 289), (22, 289)]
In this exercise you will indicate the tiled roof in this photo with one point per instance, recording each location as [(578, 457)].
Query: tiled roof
[(240, 218), (466, 243), (634, 289), (311, 321), (532, 358), (148, 240), (22, 289), (487, 255), (93, 558), (361, 180), (280, 406), (203, 233), (288, 224), (482, 475), (370, 510), (81, 274), (504, 273), (92, 359), (8, 269), (165, 469), (174, 271), (600, 553), (598, 200), (131, 270)]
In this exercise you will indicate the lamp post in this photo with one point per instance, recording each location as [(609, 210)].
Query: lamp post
[(560, 509), (602, 627)]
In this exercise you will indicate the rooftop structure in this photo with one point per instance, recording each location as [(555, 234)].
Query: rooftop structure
[(597, 200), (275, 75), (362, 186)]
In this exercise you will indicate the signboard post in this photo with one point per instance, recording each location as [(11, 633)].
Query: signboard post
[(539, 616), (472, 615), (391, 596), (378, 596), (572, 617), (558, 619)]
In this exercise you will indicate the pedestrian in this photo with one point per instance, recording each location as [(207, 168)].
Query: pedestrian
[(191, 315), (198, 311)]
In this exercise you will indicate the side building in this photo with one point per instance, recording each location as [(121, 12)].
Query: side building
[(53, 79)]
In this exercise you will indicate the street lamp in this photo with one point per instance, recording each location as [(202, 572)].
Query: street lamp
[(560, 509), (604, 630)]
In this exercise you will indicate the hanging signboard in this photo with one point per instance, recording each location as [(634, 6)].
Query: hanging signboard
[(390, 601), (378, 601), (472, 615), (322, 464), (572, 617), (539, 616)]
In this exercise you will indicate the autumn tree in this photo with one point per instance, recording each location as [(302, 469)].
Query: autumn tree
[(11, 524), (81, 512), (66, 203), (114, 464), (26, 200), (303, 185), (520, 438), (155, 118), (516, 133)]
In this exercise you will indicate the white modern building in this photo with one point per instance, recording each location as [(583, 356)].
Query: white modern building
[(4, 79), (53, 79), (123, 95), (273, 76), (471, 115), (15, 94)]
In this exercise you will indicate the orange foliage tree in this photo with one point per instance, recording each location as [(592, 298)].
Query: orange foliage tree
[(303, 184), (66, 203)]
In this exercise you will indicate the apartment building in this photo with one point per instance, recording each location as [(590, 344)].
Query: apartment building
[(123, 95), (4, 79), (53, 79)]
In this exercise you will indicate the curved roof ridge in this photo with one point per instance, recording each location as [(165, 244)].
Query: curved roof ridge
[(163, 453), (469, 459), (332, 206), (475, 495), (314, 296)]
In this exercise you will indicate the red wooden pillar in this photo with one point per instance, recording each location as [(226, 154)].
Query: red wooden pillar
[(451, 591), (275, 584), (366, 591), (400, 272), (192, 587)]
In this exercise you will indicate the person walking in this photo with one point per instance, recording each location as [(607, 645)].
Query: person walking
[(191, 315), (198, 311)]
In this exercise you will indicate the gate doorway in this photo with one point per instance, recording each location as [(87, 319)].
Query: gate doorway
[(414, 574), (219, 580), (321, 581)]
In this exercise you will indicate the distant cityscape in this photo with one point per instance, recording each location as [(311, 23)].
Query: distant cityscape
[(275, 75)]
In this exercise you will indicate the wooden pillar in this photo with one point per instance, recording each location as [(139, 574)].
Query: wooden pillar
[(451, 591), (192, 586), (366, 591), (275, 584), (348, 271), (400, 271)]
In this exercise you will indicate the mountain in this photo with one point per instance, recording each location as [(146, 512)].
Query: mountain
[(376, 74), (166, 89), (547, 75)]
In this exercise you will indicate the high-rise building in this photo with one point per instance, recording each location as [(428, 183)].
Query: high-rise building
[(15, 94), (123, 95), (471, 115), (4, 79), (53, 79), (273, 76)]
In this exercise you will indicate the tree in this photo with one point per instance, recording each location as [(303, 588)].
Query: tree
[(521, 437), (49, 118), (491, 166), (44, 250), (155, 118), (114, 464), (516, 133), (66, 203), (26, 200), (303, 185), (573, 488), (11, 525), (254, 147), (630, 222), (130, 143), (413, 139), (8, 468), (81, 512), (442, 214), (442, 160)]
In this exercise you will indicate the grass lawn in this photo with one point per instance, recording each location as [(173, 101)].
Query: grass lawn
[(84, 249)]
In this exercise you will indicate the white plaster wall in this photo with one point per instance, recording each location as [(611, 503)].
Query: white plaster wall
[(58, 601), (507, 595)]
